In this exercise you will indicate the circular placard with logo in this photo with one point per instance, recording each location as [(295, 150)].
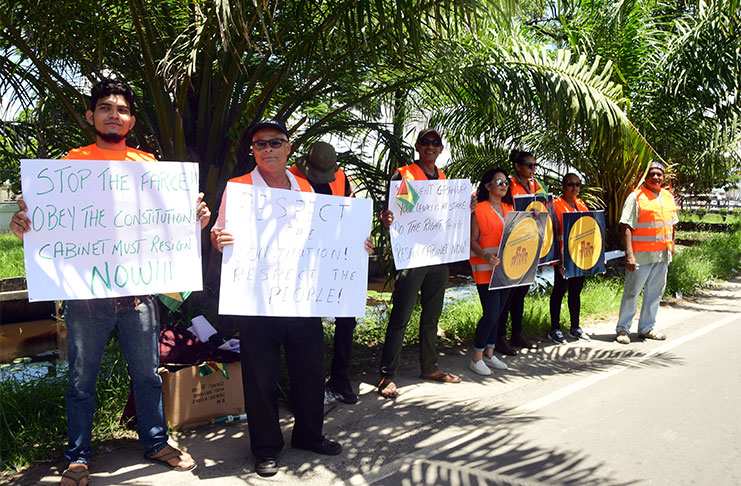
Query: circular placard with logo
[(548, 237), (521, 249), (585, 242)]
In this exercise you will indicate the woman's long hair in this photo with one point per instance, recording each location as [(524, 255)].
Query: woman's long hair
[(482, 193)]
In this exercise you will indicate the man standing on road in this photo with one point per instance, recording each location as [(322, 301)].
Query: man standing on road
[(647, 227), (430, 280), (319, 167), (135, 319), (261, 337)]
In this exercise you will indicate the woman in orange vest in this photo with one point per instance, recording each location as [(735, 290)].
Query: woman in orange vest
[(567, 203), (522, 183), (487, 224)]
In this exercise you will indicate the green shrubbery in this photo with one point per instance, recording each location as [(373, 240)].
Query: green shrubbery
[(694, 267), (33, 420)]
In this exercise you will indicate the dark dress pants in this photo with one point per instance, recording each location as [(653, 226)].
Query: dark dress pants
[(343, 331), (303, 341)]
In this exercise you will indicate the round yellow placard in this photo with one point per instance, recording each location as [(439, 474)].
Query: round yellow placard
[(548, 237), (521, 249), (585, 242)]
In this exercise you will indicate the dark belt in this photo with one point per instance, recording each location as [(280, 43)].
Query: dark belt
[(130, 301)]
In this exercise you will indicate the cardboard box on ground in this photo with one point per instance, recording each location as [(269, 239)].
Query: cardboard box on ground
[(191, 400)]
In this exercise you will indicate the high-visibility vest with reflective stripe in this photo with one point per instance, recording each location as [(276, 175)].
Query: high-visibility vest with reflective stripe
[(413, 172), (655, 227), (303, 184), (491, 226), (561, 206), (518, 189), (337, 186)]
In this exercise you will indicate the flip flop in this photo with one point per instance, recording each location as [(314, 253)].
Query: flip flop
[(390, 386), (166, 457), (442, 377), (76, 476)]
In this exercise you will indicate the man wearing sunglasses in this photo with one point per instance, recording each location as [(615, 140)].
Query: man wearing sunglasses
[(430, 280), (647, 227), (262, 337)]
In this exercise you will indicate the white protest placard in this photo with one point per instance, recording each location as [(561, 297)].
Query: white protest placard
[(110, 228), (432, 222), (295, 254)]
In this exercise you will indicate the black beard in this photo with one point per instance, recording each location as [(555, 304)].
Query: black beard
[(110, 137)]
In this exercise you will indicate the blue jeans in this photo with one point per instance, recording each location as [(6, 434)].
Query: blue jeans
[(89, 323), (651, 278)]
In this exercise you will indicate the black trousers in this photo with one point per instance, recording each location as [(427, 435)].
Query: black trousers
[(560, 287), (344, 327), (260, 340), (516, 308)]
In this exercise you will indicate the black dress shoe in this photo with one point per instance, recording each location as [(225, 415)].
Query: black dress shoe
[(266, 466), (344, 392), (325, 447)]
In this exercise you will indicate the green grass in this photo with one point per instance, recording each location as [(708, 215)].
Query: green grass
[(695, 217), (11, 256), (33, 426), (692, 268)]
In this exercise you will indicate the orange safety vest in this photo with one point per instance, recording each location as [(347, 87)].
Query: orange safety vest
[(413, 172), (518, 189), (561, 206), (491, 226), (655, 229), (337, 186), (303, 184)]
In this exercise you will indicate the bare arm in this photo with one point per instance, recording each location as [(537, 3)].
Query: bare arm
[(627, 237)]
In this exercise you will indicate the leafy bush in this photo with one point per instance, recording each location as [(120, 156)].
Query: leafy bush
[(694, 267), (701, 212)]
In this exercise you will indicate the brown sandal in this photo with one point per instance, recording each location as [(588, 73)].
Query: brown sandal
[(174, 453), (76, 476), (442, 377), (387, 388)]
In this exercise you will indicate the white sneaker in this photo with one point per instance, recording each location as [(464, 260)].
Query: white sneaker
[(495, 363), (479, 367)]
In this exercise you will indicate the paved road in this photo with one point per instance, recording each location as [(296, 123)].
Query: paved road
[(658, 413)]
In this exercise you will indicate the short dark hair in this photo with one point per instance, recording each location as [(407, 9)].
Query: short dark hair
[(518, 157), (482, 193), (566, 178), (107, 87)]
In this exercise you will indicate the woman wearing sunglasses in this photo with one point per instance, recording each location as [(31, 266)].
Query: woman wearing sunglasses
[(568, 202), (487, 224), (522, 183)]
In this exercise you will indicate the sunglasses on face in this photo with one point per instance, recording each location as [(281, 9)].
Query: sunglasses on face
[(428, 142), (501, 182), (274, 143), (573, 184), (530, 165)]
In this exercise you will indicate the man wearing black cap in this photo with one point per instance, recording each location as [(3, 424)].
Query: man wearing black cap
[(319, 167), (430, 280), (261, 337), (647, 226)]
